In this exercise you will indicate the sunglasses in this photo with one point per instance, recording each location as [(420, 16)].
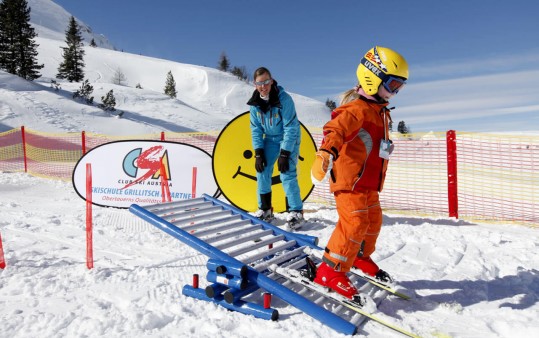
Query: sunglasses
[(263, 83), (393, 84)]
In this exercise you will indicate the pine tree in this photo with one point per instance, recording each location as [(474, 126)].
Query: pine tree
[(170, 86), (18, 50), (402, 128), (331, 104), (92, 43), (72, 66), (224, 63), (84, 92), (240, 72), (108, 102)]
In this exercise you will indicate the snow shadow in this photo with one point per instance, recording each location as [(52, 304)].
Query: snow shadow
[(518, 292), (394, 220)]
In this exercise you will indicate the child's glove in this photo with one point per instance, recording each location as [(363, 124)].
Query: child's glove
[(321, 167)]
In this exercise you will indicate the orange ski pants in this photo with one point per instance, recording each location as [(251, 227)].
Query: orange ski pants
[(360, 220)]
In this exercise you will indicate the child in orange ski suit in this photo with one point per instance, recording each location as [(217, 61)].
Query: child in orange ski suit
[(354, 156)]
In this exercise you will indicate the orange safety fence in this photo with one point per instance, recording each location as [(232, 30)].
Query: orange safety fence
[(473, 176)]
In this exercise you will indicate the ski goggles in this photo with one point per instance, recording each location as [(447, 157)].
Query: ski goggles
[(263, 83), (393, 84)]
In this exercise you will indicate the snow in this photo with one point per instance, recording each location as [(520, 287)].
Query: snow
[(466, 279)]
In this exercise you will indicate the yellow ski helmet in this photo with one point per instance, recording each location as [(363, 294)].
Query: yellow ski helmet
[(381, 65)]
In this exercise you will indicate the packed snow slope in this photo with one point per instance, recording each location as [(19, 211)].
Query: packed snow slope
[(467, 280)]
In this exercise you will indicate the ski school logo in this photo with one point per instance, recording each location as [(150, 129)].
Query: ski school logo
[(234, 166), (154, 161), (137, 172)]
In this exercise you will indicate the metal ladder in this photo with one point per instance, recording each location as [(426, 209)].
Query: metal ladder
[(241, 248)]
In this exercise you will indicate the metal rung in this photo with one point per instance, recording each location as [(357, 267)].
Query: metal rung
[(209, 209), (183, 209), (210, 217), (225, 235), (221, 228), (278, 259), (243, 239), (272, 251), (205, 223), (257, 245), (163, 206)]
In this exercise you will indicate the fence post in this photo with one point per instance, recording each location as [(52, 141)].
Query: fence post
[(83, 141), (89, 221), (452, 182), (194, 183), (24, 149), (2, 260)]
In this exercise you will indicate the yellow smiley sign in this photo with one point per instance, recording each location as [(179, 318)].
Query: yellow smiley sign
[(234, 166)]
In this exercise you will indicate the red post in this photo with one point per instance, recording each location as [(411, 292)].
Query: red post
[(452, 182), (2, 260), (89, 241), (267, 300), (24, 149), (195, 281), (165, 191), (162, 136), (194, 185), (83, 141)]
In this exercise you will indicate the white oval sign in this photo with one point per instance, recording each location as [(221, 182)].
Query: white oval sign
[(127, 172)]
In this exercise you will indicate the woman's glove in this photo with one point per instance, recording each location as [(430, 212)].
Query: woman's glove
[(283, 163), (260, 160)]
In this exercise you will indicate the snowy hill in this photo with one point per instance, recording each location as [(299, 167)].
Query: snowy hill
[(207, 97), (51, 20)]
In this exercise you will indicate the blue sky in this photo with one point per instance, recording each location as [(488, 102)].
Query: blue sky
[(313, 47), (473, 64)]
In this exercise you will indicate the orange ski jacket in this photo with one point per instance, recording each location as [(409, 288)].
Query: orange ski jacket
[(353, 136)]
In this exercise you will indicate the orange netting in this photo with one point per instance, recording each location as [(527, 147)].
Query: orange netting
[(497, 175)]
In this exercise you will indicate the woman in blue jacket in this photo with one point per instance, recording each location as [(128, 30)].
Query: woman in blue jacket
[(276, 136)]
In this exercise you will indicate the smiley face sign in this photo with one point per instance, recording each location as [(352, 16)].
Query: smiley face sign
[(234, 166)]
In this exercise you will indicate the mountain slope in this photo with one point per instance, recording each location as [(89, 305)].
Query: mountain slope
[(207, 98)]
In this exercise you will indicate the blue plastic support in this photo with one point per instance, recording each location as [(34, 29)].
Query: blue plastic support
[(233, 295), (230, 268), (226, 279), (240, 305), (337, 323), (215, 289)]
